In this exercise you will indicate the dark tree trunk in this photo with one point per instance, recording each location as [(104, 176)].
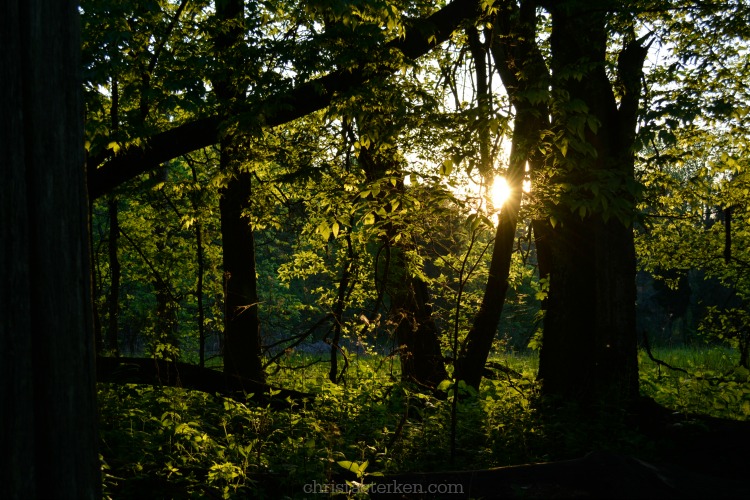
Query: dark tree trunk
[(47, 393), (338, 310), (96, 286), (166, 317), (589, 345), (417, 334), (165, 342), (199, 296), (242, 343)]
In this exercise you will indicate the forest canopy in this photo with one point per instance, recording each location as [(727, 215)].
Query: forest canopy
[(277, 185), (365, 138)]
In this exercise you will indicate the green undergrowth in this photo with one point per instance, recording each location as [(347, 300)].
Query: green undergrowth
[(176, 443), (697, 380)]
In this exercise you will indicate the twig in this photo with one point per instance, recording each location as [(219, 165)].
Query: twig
[(647, 346)]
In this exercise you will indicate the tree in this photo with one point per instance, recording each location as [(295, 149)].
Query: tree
[(109, 167), (47, 403), (525, 77), (589, 344), (242, 344), (402, 280)]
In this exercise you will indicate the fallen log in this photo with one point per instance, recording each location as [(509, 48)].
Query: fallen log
[(597, 475), (184, 375)]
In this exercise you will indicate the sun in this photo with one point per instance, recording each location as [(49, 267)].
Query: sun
[(499, 192)]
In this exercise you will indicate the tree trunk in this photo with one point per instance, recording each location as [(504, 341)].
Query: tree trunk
[(113, 300), (47, 392), (242, 344), (345, 287), (417, 334), (521, 68), (199, 257), (589, 349), (164, 342)]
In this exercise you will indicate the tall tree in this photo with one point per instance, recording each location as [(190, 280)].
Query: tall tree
[(113, 325), (523, 71), (416, 331), (47, 394), (242, 342), (589, 350)]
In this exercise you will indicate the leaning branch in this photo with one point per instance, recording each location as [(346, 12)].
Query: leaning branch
[(187, 376), (107, 170), (659, 362)]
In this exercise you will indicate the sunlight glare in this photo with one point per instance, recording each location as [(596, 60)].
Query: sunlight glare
[(499, 191)]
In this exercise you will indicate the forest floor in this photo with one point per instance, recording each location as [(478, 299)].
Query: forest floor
[(696, 457), (164, 440)]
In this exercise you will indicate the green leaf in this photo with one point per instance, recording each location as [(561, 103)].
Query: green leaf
[(350, 466), (446, 167), (445, 385), (324, 231)]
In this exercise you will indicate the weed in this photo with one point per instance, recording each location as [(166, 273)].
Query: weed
[(181, 443)]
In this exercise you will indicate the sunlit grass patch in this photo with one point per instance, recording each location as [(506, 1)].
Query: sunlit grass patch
[(704, 380), (174, 442)]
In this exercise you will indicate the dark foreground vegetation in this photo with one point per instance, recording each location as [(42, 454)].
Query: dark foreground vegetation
[(689, 441)]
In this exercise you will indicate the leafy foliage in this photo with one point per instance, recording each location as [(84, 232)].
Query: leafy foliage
[(387, 185), (179, 443)]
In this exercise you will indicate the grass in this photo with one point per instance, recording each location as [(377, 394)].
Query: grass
[(181, 444), (704, 380)]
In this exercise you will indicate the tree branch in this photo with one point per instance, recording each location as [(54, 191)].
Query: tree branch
[(106, 171), (187, 376)]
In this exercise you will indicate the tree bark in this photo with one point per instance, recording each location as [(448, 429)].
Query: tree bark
[(589, 346), (417, 334), (164, 341), (338, 310), (47, 393), (199, 257), (242, 343)]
